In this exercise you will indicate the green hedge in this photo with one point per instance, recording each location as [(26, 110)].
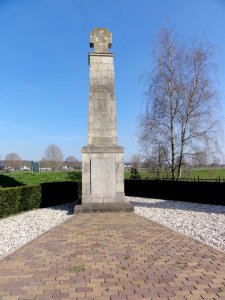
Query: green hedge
[(56, 193), (31, 197), (188, 191), (17, 199)]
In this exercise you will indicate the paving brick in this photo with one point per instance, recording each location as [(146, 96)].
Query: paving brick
[(194, 297), (103, 259), (177, 298), (119, 297), (9, 298)]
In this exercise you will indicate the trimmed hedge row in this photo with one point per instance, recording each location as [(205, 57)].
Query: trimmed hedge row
[(17, 199), (55, 193), (22, 198), (198, 192)]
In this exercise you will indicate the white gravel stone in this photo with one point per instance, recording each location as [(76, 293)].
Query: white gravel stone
[(16, 231), (203, 222)]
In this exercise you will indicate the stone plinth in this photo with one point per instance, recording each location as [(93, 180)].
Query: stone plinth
[(102, 174), (104, 207), (102, 158)]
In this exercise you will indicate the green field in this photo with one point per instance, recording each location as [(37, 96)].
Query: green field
[(211, 173), (28, 178)]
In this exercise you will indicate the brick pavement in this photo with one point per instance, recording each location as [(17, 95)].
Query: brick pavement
[(113, 256)]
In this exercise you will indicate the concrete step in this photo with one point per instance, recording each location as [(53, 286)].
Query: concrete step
[(103, 207)]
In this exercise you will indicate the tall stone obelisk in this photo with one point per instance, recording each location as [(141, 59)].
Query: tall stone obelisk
[(102, 159)]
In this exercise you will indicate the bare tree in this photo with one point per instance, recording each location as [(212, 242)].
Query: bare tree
[(72, 162), (136, 161), (45, 164), (157, 160), (54, 156), (182, 103), (12, 160), (200, 159)]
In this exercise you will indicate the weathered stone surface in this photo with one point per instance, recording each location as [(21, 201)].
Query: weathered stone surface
[(102, 174), (104, 207), (100, 40), (102, 159), (103, 179), (102, 104)]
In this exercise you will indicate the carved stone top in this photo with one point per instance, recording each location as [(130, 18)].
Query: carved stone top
[(101, 40)]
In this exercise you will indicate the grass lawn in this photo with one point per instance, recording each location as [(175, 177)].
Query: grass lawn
[(210, 173), (29, 178)]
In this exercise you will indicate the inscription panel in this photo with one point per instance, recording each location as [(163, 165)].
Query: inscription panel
[(103, 173)]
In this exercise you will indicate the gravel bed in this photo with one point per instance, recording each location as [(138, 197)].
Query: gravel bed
[(16, 231), (203, 222)]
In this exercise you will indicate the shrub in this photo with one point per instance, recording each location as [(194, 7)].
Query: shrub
[(30, 197), (198, 192), (56, 193), (17, 199), (135, 174)]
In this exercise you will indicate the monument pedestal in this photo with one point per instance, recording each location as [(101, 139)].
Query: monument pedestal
[(102, 174)]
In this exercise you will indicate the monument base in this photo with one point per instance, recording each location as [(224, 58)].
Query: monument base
[(102, 174), (103, 207), (88, 198)]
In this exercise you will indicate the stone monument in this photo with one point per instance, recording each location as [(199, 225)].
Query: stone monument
[(102, 158)]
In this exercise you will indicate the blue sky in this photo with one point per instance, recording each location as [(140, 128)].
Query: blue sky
[(44, 73)]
